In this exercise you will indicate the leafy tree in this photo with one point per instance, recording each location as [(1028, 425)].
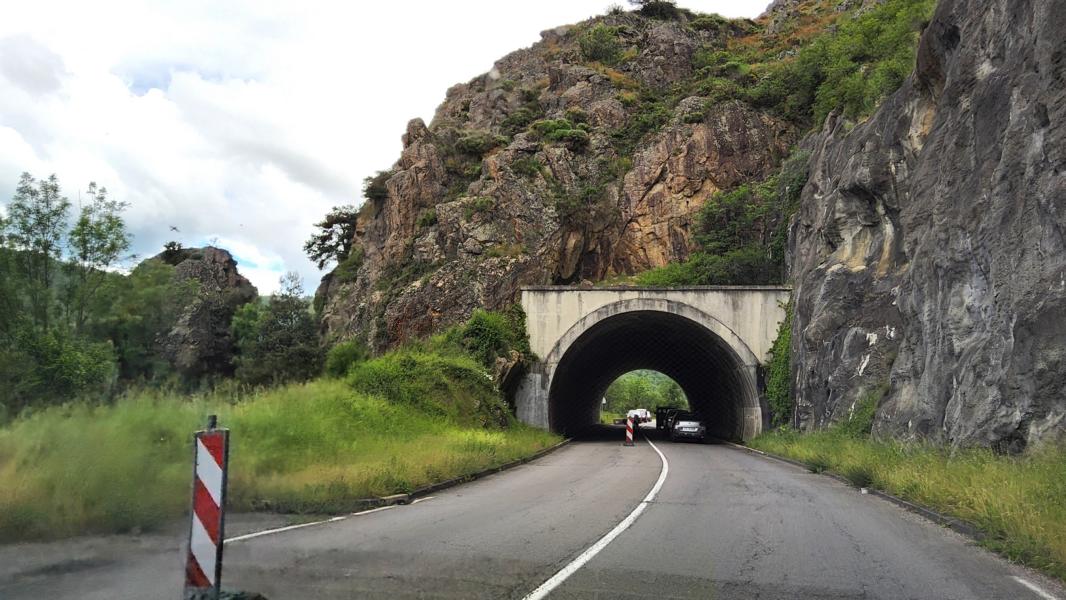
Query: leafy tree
[(51, 367), (657, 9), (37, 221), (140, 309), (333, 240), (277, 342), (97, 242), (644, 389)]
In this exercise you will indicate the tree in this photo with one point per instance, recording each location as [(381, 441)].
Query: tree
[(97, 242), (278, 342), (140, 309), (333, 240), (37, 221), (656, 9)]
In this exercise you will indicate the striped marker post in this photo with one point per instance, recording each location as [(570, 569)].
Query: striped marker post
[(203, 566), (629, 431)]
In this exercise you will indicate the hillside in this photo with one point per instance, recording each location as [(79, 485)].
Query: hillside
[(585, 157)]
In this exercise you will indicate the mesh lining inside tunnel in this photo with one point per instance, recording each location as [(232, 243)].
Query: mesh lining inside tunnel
[(699, 361)]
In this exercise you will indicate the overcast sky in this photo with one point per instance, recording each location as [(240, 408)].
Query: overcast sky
[(242, 123)]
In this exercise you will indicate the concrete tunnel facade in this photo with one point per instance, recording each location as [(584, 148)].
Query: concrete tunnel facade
[(711, 340)]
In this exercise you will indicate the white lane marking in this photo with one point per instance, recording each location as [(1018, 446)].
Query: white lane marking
[(552, 583), (241, 538), (1034, 588), (422, 499)]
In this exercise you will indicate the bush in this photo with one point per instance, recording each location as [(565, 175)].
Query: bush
[(453, 387), (527, 166), (665, 10), (713, 22), (343, 356), (601, 44), (427, 218), (348, 269), (478, 143)]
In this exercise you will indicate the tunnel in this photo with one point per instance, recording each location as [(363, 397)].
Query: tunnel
[(721, 389)]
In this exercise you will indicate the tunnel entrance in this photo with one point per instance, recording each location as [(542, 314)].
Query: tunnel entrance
[(719, 386)]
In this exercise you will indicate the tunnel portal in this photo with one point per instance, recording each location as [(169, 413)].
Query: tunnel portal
[(710, 340), (708, 371)]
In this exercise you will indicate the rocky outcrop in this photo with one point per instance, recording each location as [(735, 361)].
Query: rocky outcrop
[(484, 200), (200, 343), (929, 255)]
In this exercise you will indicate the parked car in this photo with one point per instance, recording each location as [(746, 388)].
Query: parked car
[(688, 426), (639, 415)]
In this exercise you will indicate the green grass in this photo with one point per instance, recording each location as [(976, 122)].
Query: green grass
[(1019, 502), (314, 447)]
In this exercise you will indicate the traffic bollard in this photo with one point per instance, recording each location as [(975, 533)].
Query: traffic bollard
[(629, 431)]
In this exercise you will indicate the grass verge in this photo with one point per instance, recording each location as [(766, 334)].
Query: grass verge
[(314, 447), (1018, 502)]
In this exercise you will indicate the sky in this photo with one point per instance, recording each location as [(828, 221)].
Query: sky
[(240, 123)]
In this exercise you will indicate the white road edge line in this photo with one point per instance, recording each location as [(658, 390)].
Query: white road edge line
[(423, 499), (1034, 588), (241, 538), (564, 573)]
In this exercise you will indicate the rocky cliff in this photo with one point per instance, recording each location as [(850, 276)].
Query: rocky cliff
[(200, 342), (551, 168), (929, 254)]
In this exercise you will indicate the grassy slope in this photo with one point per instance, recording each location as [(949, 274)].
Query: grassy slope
[(1020, 502), (308, 447)]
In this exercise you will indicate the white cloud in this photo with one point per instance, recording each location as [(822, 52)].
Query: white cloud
[(243, 121)]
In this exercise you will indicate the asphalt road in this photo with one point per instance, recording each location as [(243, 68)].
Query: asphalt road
[(725, 524)]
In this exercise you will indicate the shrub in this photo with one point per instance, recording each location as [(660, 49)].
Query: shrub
[(562, 130), (348, 269), (527, 166), (343, 356), (860, 422), (600, 43), (665, 10), (427, 217), (454, 387), (713, 22), (478, 143)]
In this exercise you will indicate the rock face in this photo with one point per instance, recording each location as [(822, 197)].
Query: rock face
[(479, 204), (929, 255), (200, 342)]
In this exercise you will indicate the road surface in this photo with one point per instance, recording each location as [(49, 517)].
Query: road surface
[(725, 524)]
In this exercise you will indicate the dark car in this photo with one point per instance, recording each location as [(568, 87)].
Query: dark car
[(687, 426)]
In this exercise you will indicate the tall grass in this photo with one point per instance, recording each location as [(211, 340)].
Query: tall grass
[(1019, 502), (314, 447)]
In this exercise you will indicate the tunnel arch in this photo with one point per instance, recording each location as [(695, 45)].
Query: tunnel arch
[(711, 363)]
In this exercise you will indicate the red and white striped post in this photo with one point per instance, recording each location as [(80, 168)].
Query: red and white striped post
[(629, 431), (203, 566)]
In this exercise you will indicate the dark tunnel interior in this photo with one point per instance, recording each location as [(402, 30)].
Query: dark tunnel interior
[(700, 362)]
